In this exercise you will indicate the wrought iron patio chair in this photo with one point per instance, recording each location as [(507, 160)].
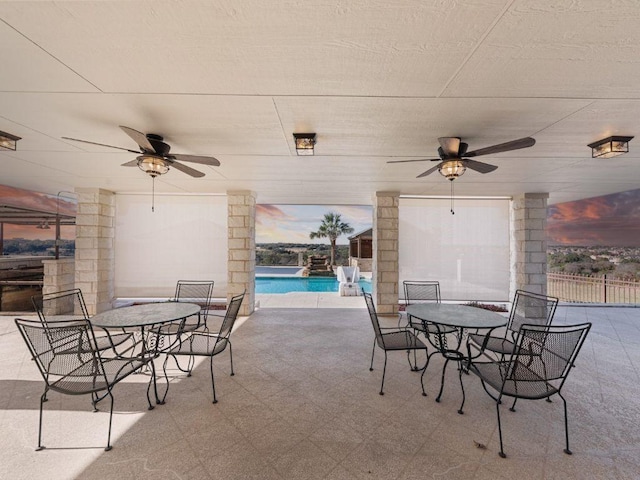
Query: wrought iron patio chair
[(194, 291), (202, 342), (69, 305), (418, 291), (537, 367), (423, 291), (391, 339), (528, 308), (67, 366), (187, 291)]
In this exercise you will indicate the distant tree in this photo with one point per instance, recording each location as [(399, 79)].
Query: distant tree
[(332, 227)]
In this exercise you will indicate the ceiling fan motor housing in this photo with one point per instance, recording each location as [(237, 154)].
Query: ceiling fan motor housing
[(158, 145)]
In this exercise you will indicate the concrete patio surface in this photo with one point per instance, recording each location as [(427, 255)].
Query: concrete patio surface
[(304, 405)]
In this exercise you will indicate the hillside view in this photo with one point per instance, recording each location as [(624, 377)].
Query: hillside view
[(37, 248), (283, 254), (616, 262)]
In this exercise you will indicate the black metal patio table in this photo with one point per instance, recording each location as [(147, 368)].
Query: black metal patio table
[(146, 318), (459, 317)]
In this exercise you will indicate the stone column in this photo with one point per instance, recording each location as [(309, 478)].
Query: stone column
[(529, 244), (58, 275), (241, 265), (385, 252), (95, 258)]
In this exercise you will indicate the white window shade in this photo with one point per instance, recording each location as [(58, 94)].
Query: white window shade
[(184, 239), (468, 253)]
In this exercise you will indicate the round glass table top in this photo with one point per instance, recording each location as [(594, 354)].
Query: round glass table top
[(142, 315), (460, 316)]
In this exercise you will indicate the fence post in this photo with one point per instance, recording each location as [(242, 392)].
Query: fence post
[(604, 287)]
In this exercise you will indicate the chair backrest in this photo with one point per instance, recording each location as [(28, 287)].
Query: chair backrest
[(421, 291), (531, 308), (195, 291), (59, 350), (63, 305), (374, 317), (230, 316), (546, 353)]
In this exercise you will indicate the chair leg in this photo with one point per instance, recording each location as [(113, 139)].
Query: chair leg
[(166, 377), (501, 453), (108, 447), (213, 383), (424, 370), (566, 427), (460, 411), (484, 385), (190, 365), (152, 379), (384, 371), (43, 399), (373, 352), (185, 370), (414, 366), (231, 358), (444, 369)]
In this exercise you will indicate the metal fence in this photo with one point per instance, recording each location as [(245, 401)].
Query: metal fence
[(592, 289)]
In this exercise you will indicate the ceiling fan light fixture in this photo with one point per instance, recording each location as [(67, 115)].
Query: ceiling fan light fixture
[(452, 169), (153, 165), (304, 143), (8, 141), (610, 147)]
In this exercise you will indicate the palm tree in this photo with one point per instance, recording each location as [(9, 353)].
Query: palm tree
[(332, 227)]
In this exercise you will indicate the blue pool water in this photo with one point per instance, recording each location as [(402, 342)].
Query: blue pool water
[(301, 284)]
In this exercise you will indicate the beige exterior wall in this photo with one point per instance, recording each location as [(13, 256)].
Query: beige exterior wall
[(385, 252), (241, 265)]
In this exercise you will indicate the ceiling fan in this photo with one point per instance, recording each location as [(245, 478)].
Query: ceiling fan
[(155, 158), (454, 158)]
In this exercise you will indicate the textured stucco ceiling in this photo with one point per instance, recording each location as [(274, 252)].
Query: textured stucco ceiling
[(376, 80)]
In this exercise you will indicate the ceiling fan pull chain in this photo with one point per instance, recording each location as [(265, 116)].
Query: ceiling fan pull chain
[(153, 193), (452, 212)]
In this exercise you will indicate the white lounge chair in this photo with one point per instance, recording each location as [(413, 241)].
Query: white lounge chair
[(348, 278)]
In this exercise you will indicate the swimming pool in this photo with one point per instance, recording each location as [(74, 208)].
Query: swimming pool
[(301, 284)]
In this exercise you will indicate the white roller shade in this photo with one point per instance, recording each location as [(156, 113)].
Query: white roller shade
[(468, 253), (184, 239)]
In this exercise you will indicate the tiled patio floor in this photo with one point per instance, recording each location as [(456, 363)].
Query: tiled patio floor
[(304, 405)]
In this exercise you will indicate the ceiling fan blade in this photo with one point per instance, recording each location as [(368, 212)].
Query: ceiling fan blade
[(479, 166), (132, 163), (450, 146), (418, 160), (214, 162), (503, 147), (100, 144), (184, 169), (140, 138), (430, 171)]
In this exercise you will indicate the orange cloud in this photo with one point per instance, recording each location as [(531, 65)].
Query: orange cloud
[(592, 208), (18, 197)]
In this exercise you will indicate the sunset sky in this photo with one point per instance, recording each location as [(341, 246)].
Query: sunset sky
[(17, 197), (294, 223), (611, 220)]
